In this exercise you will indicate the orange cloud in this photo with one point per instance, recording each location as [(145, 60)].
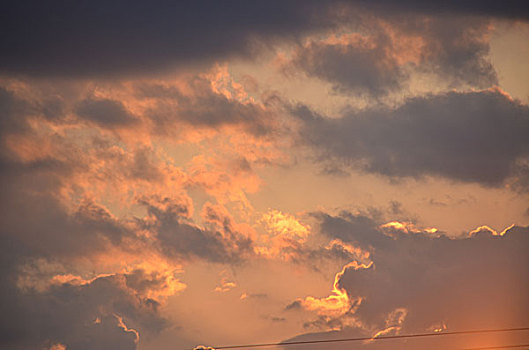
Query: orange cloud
[(285, 225), (406, 227), (284, 238), (123, 326), (338, 303), (491, 231), (226, 283)]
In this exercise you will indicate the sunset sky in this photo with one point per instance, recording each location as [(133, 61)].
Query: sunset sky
[(186, 173)]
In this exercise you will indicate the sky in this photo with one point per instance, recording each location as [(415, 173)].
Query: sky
[(192, 174)]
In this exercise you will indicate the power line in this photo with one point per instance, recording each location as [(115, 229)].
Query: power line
[(480, 331), (499, 347)]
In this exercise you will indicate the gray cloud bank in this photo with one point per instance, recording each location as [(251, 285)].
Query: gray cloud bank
[(88, 38), (471, 137)]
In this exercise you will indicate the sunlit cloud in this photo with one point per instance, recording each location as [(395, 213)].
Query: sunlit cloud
[(183, 174), (338, 302)]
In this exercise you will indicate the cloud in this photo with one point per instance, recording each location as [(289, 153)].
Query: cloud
[(179, 238), (94, 39), (105, 112), (50, 251), (208, 101), (515, 9), (133, 37), (62, 182), (73, 273), (99, 314), (379, 53), (111, 186), (227, 282), (357, 65), (11, 108), (475, 137), (50, 254), (419, 281)]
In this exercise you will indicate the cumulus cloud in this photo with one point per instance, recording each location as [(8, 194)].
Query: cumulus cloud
[(75, 274), (419, 281), (471, 137)]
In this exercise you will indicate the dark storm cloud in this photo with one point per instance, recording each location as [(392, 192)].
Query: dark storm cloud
[(87, 38), (419, 281), (100, 38), (471, 137)]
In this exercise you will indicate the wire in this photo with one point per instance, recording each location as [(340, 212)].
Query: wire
[(499, 347), (262, 345)]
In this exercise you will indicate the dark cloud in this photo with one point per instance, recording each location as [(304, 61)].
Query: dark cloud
[(87, 38), (90, 38), (105, 112), (364, 227), (514, 9), (38, 231), (384, 51), (472, 137), (77, 316), (15, 112), (39, 239), (12, 112), (456, 49), (179, 238), (44, 226), (295, 305), (203, 108), (357, 68), (419, 281), (144, 166)]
